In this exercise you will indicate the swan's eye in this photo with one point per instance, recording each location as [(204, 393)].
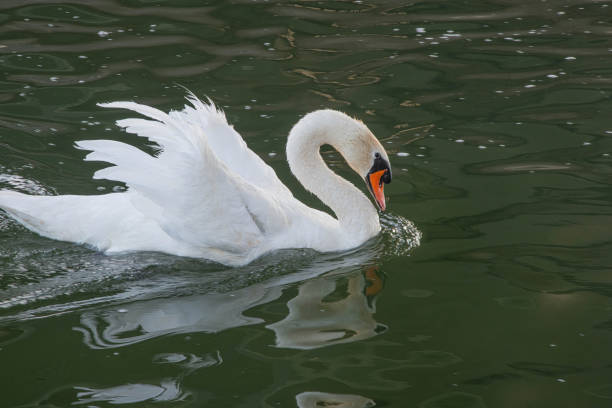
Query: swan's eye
[(377, 155)]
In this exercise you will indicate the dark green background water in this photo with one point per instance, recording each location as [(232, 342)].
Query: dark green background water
[(498, 120)]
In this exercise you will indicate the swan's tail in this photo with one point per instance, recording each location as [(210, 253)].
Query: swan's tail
[(41, 214), (108, 222), (95, 220), (20, 207)]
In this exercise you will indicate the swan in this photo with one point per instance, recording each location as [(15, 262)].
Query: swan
[(205, 194)]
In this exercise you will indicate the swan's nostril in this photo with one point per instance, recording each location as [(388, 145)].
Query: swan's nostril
[(386, 178)]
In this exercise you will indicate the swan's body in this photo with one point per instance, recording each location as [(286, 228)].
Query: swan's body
[(207, 195)]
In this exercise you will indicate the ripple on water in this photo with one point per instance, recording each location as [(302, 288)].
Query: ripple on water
[(600, 391), (37, 62), (189, 362), (65, 13), (313, 399), (22, 184), (431, 358), (10, 334), (416, 293), (168, 390), (517, 302), (543, 369), (454, 399), (399, 234)]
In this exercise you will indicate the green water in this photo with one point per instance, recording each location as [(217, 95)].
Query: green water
[(498, 122)]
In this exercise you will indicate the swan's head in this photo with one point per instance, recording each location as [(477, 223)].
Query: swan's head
[(366, 156), (379, 175)]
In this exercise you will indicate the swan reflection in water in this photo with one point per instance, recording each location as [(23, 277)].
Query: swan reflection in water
[(332, 309), (335, 303), (313, 321), (323, 312)]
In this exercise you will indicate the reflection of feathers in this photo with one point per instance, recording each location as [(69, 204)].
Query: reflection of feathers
[(343, 321), (239, 290)]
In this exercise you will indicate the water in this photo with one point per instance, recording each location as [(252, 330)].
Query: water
[(490, 285)]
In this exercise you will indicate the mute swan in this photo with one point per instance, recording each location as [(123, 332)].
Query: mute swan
[(207, 195)]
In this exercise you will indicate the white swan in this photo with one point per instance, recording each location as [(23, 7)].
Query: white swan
[(207, 195)]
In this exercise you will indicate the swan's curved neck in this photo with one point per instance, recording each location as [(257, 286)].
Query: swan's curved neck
[(355, 212)]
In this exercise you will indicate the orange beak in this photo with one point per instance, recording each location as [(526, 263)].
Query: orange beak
[(376, 186)]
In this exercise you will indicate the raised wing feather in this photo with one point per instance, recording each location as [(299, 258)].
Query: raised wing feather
[(227, 145), (205, 187)]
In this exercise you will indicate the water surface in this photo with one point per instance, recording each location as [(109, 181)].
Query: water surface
[(490, 285)]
